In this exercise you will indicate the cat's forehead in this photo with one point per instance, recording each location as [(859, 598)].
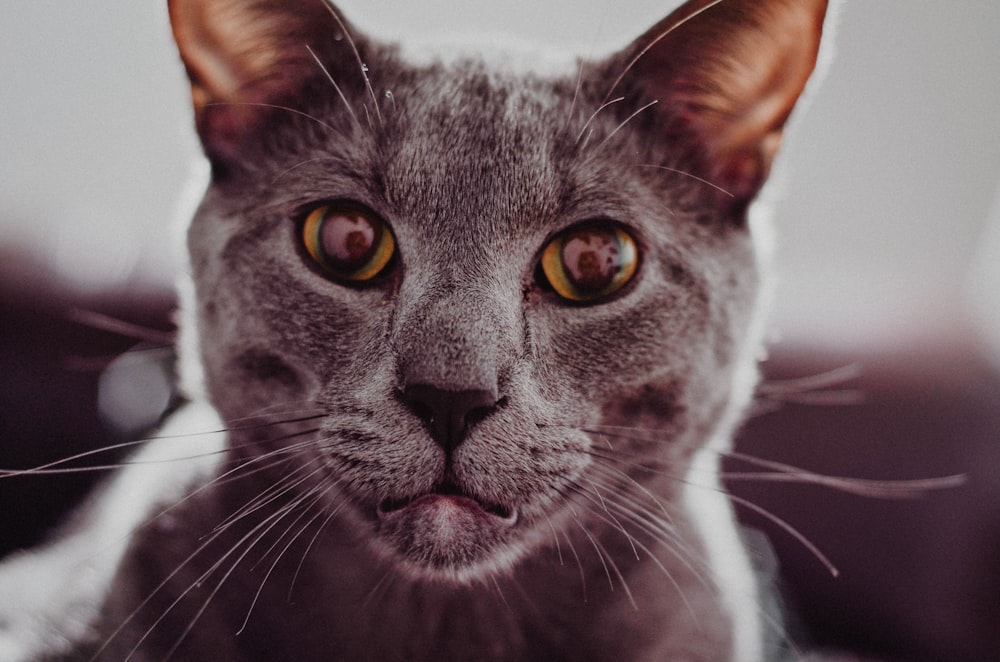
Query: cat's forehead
[(475, 139), (469, 104)]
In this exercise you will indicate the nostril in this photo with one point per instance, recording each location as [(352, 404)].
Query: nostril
[(419, 407), (449, 413)]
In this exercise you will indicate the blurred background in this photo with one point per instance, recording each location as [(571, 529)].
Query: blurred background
[(887, 209)]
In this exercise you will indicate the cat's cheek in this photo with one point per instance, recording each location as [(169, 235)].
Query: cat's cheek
[(659, 405), (257, 379), (597, 355), (320, 330)]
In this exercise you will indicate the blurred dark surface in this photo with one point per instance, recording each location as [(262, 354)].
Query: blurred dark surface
[(50, 365), (919, 579)]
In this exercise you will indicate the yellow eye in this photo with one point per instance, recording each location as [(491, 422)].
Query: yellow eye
[(350, 243), (590, 262)]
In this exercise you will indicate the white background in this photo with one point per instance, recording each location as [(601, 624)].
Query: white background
[(885, 199)]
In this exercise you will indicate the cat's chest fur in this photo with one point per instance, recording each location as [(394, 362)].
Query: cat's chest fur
[(478, 340)]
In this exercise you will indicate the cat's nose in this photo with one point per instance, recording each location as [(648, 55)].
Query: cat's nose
[(447, 413)]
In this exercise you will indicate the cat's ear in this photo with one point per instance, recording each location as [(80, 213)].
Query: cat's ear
[(726, 75), (244, 57)]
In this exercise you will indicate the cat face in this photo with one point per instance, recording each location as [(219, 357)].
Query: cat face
[(472, 277)]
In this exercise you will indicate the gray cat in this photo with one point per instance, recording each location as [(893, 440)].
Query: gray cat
[(478, 338)]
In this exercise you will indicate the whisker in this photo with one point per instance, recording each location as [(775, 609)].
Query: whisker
[(46, 469), (211, 538), (813, 390), (633, 461), (595, 114), (145, 601), (683, 173), (617, 571), (239, 469), (612, 430), (382, 582), (102, 322), (619, 474), (357, 56), (576, 96), (650, 45), (634, 60), (298, 569), (305, 510), (257, 533), (788, 528), (663, 532), (50, 467), (336, 87), (503, 598), (256, 104), (294, 408), (664, 535), (240, 427), (887, 489), (228, 476), (627, 120), (555, 537), (300, 164), (579, 564), (686, 559), (606, 431), (236, 472), (600, 555), (610, 518), (795, 533), (821, 380), (273, 492)]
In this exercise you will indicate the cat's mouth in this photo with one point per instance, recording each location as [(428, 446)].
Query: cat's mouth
[(447, 532), (450, 494)]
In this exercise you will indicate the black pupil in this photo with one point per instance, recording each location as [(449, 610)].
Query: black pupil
[(591, 259), (349, 239)]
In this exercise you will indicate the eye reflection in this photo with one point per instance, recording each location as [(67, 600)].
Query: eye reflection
[(351, 243), (590, 262)]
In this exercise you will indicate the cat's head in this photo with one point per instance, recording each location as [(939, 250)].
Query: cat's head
[(475, 276)]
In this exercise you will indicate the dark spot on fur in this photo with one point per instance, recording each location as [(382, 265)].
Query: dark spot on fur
[(263, 366), (680, 275), (209, 312), (651, 401)]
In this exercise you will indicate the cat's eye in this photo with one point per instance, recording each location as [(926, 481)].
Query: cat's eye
[(349, 242), (590, 262)]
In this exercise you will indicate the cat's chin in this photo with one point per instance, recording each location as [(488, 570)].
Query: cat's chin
[(449, 536)]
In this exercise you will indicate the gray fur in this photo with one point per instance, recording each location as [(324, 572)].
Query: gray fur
[(593, 550)]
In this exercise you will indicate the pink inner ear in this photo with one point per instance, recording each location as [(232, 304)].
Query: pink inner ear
[(224, 45), (223, 128), (729, 74), (244, 55)]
